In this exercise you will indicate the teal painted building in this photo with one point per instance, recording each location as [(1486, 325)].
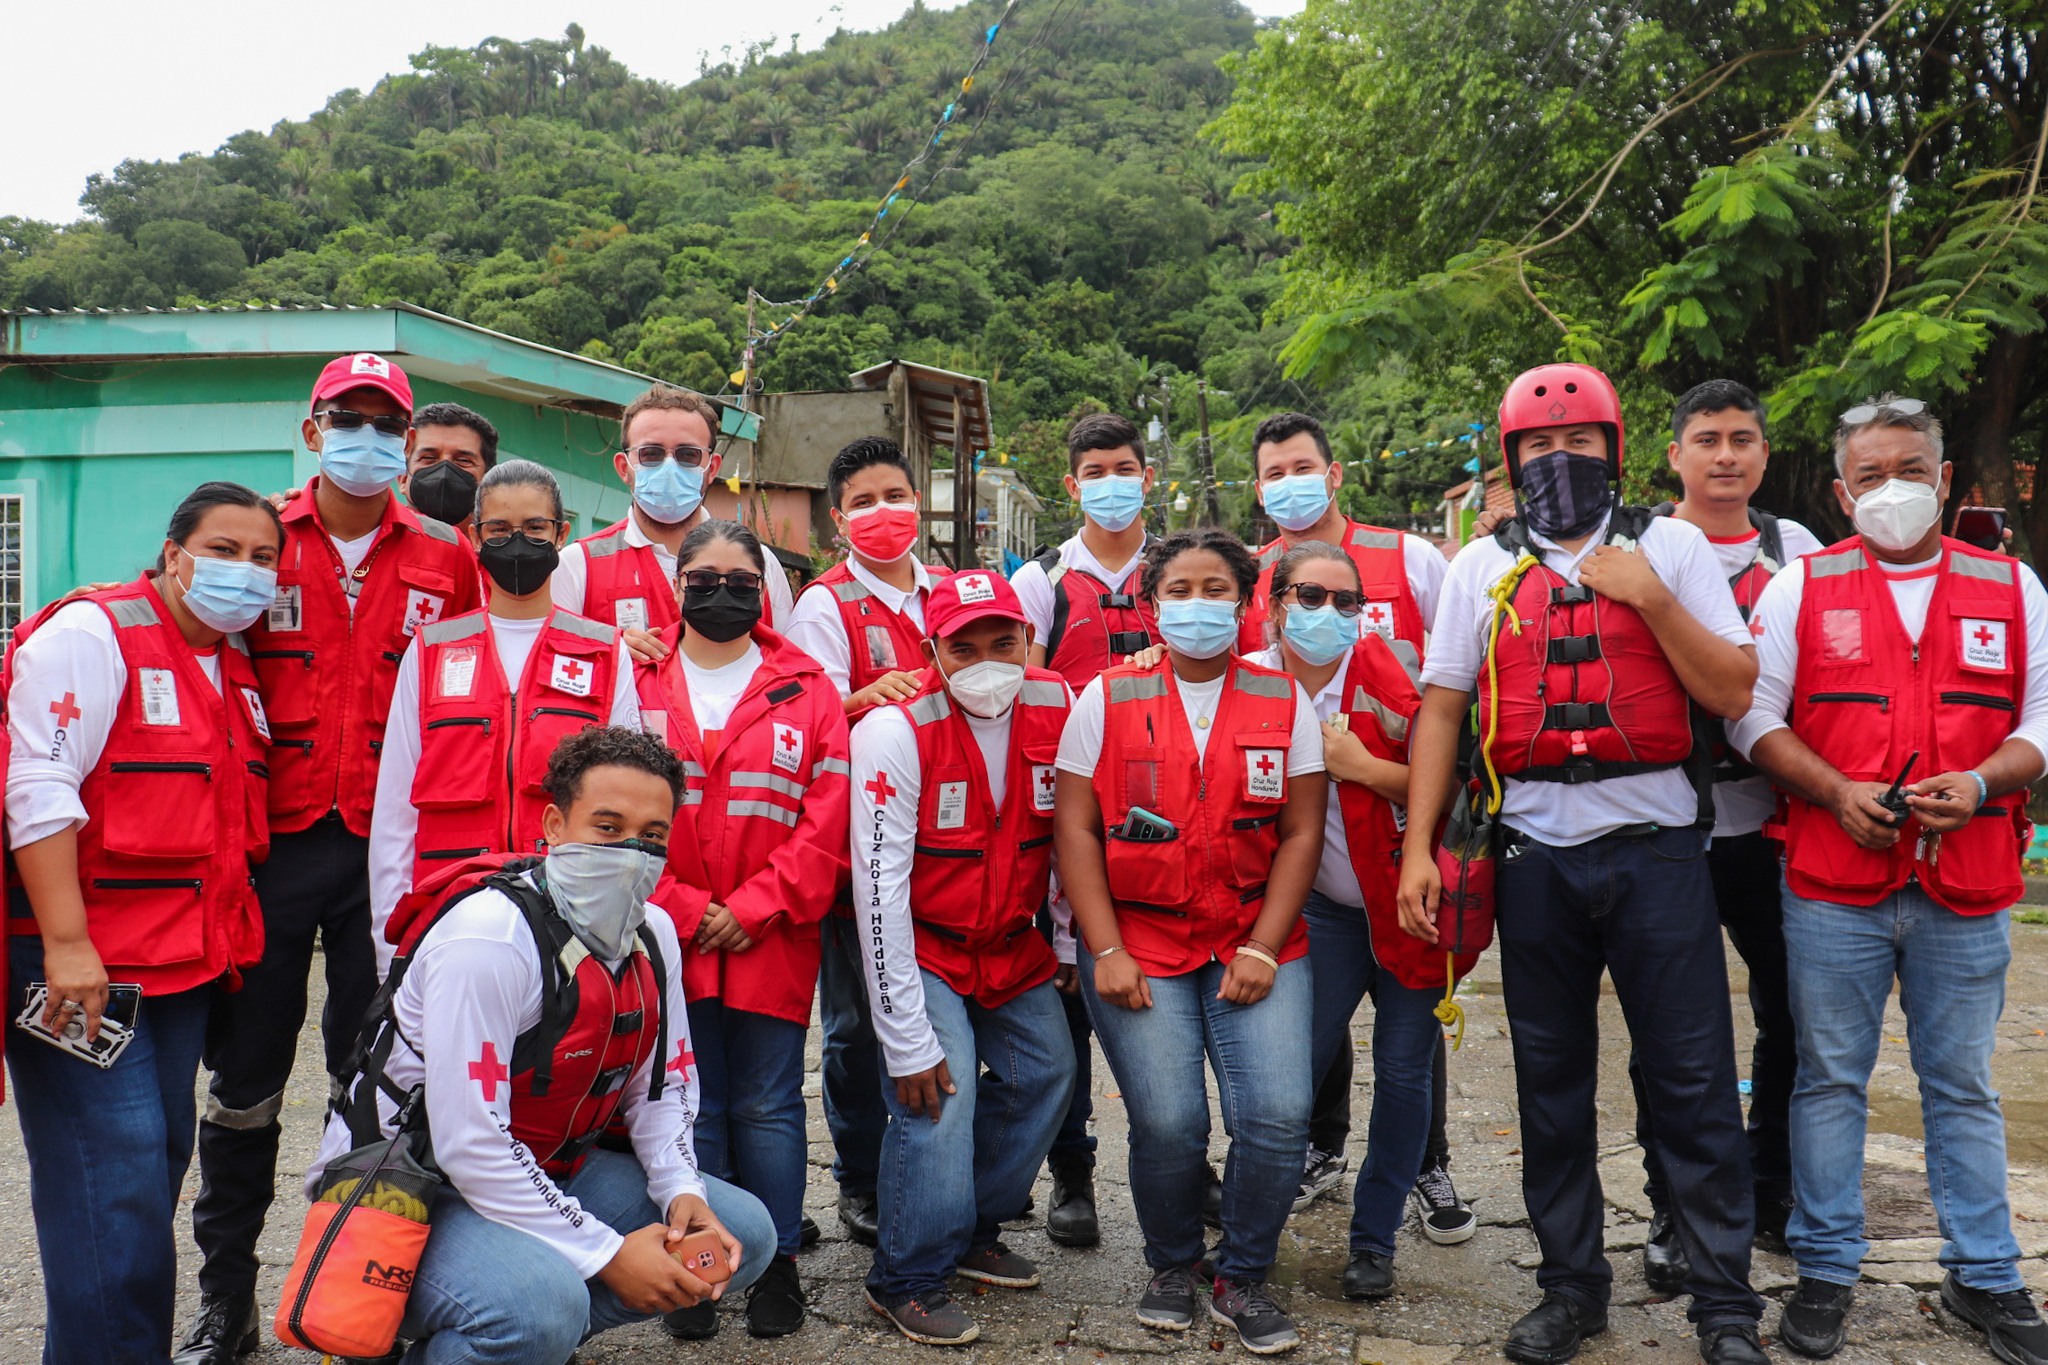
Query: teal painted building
[(107, 419)]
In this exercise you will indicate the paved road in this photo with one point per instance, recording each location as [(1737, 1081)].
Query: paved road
[(1455, 1303)]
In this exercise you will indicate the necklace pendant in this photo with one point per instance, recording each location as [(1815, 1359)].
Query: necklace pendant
[(1201, 722)]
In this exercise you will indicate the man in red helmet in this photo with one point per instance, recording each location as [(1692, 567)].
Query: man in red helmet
[(1589, 629)]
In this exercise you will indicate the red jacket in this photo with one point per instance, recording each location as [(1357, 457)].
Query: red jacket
[(977, 877), (1092, 627), (1185, 901), (1390, 608), (484, 750), (763, 827), (615, 571), (878, 641), (328, 674), (174, 812), (1866, 697)]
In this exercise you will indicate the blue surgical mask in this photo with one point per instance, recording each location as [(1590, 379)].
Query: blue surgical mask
[(1320, 635), (229, 594), (363, 462), (1199, 627), (669, 492), (1298, 501), (1113, 501)]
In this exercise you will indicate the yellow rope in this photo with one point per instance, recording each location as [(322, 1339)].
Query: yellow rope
[(1448, 1011)]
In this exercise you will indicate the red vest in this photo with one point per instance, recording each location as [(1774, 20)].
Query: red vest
[(1093, 628), (1196, 897), (328, 674), (978, 876), (174, 810), (878, 641), (1585, 692), (1390, 608), (1866, 697), (615, 571), (762, 829), (484, 749)]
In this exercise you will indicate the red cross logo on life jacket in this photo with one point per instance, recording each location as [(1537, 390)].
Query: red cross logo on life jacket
[(488, 1072), (684, 1061), (879, 788), (66, 710)]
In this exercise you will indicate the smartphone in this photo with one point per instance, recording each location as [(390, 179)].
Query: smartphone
[(1983, 527), (117, 1024), (703, 1255), (1142, 826)]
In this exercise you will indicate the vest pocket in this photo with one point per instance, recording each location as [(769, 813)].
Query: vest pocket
[(290, 694), (1981, 860), (456, 768), (1850, 729), (146, 921), (1254, 840), (1968, 728), (1146, 874), (166, 812)]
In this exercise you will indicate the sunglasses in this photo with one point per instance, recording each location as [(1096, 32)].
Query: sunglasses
[(707, 580), (1867, 412), (1313, 595), (341, 419), (650, 455), (541, 529)]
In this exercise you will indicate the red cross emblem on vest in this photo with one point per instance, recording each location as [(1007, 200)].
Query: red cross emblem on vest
[(571, 676), (788, 751)]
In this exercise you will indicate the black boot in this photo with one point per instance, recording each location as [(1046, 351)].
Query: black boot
[(858, 1214), (225, 1330), (1666, 1267), (1070, 1217)]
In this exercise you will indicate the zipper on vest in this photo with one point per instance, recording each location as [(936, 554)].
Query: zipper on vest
[(304, 655), (205, 770), (1976, 699), (148, 883), (1877, 699), (484, 721), (540, 711)]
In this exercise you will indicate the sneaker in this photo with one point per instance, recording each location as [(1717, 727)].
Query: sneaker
[(1446, 1219), (1320, 1171), (1168, 1303), (699, 1322), (932, 1319), (1262, 1328), (1814, 1320), (775, 1305), (1212, 1201), (1369, 1276), (996, 1264), (2009, 1321)]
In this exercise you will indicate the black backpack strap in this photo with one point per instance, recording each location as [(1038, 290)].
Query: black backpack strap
[(534, 1050), (1629, 522), (1770, 540), (1664, 509), (1054, 572), (658, 1081)]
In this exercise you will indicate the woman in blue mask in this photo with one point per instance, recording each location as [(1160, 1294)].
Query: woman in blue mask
[(1189, 823)]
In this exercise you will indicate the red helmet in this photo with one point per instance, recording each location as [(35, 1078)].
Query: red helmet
[(1560, 395)]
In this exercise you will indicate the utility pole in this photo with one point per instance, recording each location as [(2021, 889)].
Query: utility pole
[(963, 490), (1209, 503)]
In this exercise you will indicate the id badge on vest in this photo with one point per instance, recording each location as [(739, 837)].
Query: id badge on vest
[(630, 613), (284, 612), (159, 690), (952, 813), (257, 719), (881, 649), (457, 677)]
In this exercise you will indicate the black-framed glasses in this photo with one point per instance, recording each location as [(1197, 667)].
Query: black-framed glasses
[(1867, 412), (1313, 595), (707, 580), (651, 455), (533, 528), (341, 419)]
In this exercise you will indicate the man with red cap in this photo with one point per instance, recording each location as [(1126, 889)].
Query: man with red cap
[(952, 853), (361, 574), (1588, 630)]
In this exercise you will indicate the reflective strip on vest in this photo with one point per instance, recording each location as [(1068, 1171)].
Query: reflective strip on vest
[(1037, 692), (772, 781), (1376, 540), (692, 768), (930, 707), (831, 765), (132, 611), (1270, 556), (1409, 657), (849, 591), (764, 809), (598, 547), (1141, 688), (582, 625), (461, 628), (1395, 725), (693, 798), (1827, 566), (1993, 570), (1259, 686), (239, 645), (434, 530)]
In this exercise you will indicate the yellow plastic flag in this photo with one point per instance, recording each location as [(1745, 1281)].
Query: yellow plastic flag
[(966, 84), (739, 379), (733, 485), (1387, 454)]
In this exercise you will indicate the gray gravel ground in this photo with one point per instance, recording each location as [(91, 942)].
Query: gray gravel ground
[(1454, 1303)]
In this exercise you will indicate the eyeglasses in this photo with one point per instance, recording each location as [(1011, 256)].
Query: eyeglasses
[(1313, 595), (707, 580), (341, 419), (1867, 412), (650, 455), (533, 528)]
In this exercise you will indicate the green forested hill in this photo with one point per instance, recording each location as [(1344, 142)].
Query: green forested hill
[(1084, 247)]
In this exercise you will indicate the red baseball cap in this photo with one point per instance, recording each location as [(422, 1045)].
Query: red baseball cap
[(363, 370), (962, 598)]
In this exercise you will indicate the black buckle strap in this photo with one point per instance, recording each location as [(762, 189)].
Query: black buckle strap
[(629, 1022), (1128, 641), (1570, 595), (1574, 771), (1575, 649), (1117, 601), (1576, 715), (608, 1080)]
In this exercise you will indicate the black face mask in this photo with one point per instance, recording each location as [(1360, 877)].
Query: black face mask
[(721, 613), (519, 566), (444, 491), (1562, 495)]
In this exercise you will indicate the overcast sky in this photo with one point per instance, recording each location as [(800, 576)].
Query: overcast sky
[(93, 84)]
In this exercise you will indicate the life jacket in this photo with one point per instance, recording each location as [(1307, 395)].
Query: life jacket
[(762, 827), (1183, 901), (1390, 608), (878, 641), (1747, 583), (623, 584), (978, 876), (175, 806), (484, 749), (1093, 628), (567, 1074), (1866, 697), (1583, 690), (327, 674)]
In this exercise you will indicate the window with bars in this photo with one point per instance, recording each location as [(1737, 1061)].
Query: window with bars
[(12, 511)]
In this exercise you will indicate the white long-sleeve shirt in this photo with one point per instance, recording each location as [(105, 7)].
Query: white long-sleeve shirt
[(394, 823), (571, 580), (481, 970), (816, 628), (67, 685), (1776, 625)]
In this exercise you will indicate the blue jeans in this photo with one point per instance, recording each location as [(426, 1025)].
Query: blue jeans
[(947, 1186), (1951, 974), (487, 1294), (1405, 1039), (1263, 1073), (852, 1067), (750, 1109), (1074, 1145), (107, 1152)]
